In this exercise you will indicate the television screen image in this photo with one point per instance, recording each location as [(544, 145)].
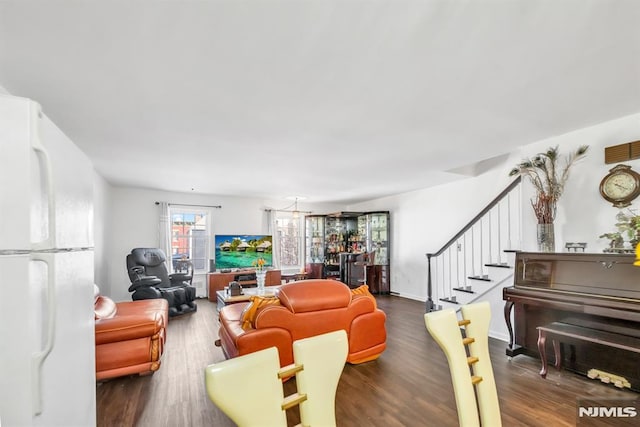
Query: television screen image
[(242, 250)]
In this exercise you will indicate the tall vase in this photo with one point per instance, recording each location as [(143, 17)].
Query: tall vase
[(260, 279), (546, 238)]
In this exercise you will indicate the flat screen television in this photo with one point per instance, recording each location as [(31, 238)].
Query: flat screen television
[(242, 250)]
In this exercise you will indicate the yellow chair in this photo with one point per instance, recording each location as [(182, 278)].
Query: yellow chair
[(249, 388), (472, 369)]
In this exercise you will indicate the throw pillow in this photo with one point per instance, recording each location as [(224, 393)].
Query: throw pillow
[(364, 290), (251, 310)]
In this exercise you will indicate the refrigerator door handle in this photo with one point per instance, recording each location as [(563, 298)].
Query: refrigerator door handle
[(39, 357), (36, 144)]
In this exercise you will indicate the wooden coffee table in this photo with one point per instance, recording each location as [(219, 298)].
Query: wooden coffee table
[(224, 298)]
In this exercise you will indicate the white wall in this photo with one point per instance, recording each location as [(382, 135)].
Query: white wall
[(422, 221), (134, 221)]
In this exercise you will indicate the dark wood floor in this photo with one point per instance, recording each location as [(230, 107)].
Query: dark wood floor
[(409, 385)]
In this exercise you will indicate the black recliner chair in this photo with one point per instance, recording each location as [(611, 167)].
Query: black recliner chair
[(150, 279)]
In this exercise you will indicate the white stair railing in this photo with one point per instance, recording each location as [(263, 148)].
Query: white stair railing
[(483, 238)]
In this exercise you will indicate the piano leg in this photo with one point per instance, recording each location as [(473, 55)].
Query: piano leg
[(508, 306), (542, 340), (512, 349), (557, 353)]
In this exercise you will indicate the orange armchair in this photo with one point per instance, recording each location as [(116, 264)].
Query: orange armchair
[(306, 308), (129, 336)]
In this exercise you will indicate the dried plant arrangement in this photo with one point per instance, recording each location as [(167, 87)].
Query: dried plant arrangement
[(549, 178)]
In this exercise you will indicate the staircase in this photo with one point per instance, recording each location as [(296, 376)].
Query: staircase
[(478, 261)]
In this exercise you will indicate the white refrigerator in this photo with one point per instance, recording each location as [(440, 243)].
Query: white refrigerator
[(47, 343)]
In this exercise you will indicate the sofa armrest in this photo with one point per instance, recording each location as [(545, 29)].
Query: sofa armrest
[(123, 328), (362, 304), (143, 282), (178, 279), (259, 339), (146, 293)]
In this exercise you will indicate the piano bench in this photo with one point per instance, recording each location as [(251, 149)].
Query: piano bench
[(559, 331)]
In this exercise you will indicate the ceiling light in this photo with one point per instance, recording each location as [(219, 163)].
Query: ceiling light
[(296, 212)]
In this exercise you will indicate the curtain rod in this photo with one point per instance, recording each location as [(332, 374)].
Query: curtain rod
[(197, 206)]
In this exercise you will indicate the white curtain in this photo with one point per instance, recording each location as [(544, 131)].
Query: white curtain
[(164, 231), (273, 230)]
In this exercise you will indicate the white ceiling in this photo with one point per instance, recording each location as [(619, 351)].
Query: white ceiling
[(335, 100)]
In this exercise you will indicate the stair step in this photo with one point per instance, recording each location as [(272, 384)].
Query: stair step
[(499, 265), (465, 289), (484, 278), (450, 301)]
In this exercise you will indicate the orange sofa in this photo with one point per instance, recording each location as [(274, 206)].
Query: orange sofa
[(306, 308), (130, 336)]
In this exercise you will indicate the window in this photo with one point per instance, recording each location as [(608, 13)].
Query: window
[(289, 235), (190, 236)]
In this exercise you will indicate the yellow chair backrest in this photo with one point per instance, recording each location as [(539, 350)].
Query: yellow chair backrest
[(469, 370), (249, 388)]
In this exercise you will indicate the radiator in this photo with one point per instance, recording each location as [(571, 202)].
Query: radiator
[(200, 282)]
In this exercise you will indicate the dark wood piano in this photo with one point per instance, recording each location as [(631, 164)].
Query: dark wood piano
[(599, 292)]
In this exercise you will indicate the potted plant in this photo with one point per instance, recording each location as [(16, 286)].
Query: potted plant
[(549, 178), (627, 225)]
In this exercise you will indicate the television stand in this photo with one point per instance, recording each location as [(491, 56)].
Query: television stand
[(218, 280)]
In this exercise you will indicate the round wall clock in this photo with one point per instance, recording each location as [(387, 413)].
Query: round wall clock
[(620, 186)]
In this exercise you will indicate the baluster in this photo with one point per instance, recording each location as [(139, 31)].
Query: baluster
[(458, 263), (509, 221), (437, 276), (464, 259), (441, 259), (499, 237), (450, 275), (473, 252), (434, 275), (442, 282), (429, 303), (519, 204), (481, 250), (489, 236)]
